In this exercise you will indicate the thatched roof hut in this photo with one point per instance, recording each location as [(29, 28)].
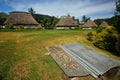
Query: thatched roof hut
[(104, 24), (21, 18), (90, 24), (66, 21)]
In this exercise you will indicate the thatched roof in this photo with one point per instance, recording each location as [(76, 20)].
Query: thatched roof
[(104, 24), (89, 24), (66, 21), (21, 18)]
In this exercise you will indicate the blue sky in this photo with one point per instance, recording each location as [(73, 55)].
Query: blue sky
[(91, 8)]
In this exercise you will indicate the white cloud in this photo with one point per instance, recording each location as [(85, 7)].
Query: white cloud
[(107, 7), (75, 8)]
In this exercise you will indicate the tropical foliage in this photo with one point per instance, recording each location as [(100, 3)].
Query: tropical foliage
[(3, 17), (99, 29), (85, 19), (106, 39), (117, 24), (20, 27), (89, 36), (9, 26)]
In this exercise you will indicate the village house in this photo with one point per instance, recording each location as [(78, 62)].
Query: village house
[(104, 24), (18, 18), (89, 25), (66, 22)]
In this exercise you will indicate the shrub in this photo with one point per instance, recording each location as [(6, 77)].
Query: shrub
[(76, 27), (110, 29), (99, 29), (80, 27), (105, 40), (118, 45), (20, 27), (9, 26), (38, 27), (54, 27), (89, 36)]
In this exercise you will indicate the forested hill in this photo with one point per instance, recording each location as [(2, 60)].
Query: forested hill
[(110, 21), (46, 21)]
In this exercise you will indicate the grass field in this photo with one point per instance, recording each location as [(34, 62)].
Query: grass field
[(23, 55)]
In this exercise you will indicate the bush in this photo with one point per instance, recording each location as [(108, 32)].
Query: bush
[(105, 40), (77, 27), (80, 27), (89, 36), (54, 27), (118, 45), (99, 29), (9, 26), (38, 27), (20, 27), (110, 29)]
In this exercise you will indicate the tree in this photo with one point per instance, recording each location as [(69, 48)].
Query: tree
[(117, 24), (31, 10), (75, 19), (3, 17), (46, 21), (84, 19), (118, 6), (117, 16)]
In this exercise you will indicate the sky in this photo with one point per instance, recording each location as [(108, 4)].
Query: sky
[(90, 8)]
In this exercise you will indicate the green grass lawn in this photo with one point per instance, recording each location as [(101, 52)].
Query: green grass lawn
[(23, 54)]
